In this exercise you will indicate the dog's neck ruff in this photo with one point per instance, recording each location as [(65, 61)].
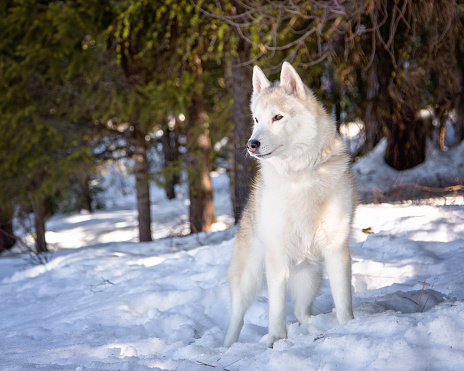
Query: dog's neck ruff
[(296, 164)]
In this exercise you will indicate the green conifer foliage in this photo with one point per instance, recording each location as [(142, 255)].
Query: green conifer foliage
[(40, 61)]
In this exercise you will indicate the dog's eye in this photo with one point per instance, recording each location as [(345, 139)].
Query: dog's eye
[(277, 117), (256, 120)]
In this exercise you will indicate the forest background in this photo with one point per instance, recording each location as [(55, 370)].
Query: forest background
[(87, 82)]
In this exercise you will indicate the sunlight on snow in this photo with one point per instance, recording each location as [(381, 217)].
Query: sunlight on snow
[(372, 275), (148, 262)]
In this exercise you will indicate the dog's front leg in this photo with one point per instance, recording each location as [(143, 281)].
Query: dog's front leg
[(338, 264), (277, 272)]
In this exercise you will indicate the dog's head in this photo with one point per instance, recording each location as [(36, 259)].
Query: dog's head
[(285, 116)]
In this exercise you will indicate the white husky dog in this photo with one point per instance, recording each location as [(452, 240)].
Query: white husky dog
[(300, 209)]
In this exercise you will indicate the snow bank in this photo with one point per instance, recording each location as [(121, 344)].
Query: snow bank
[(165, 305), (105, 302), (377, 180)]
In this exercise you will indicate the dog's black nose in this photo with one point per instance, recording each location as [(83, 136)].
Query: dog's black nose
[(253, 145)]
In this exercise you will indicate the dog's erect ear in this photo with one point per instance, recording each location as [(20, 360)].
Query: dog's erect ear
[(291, 81), (260, 81)]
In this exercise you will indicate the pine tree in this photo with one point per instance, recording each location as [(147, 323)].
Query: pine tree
[(48, 63), (7, 237), (37, 149), (166, 50)]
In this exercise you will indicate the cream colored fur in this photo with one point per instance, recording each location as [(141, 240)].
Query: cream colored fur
[(300, 210)]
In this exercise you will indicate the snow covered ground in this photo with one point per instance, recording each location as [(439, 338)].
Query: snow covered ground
[(377, 182), (105, 302)]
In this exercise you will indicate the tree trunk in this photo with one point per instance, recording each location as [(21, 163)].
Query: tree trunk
[(142, 184), (171, 157), (375, 112), (459, 107), (333, 91), (84, 200), (232, 172), (406, 140), (38, 207), (442, 117), (241, 93), (7, 237), (407, 134), (459, 98), (229, 79), (200, 164)]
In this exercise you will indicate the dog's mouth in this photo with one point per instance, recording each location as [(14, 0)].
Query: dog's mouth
[(259, 155)]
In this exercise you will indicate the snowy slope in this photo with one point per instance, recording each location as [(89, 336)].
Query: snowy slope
[(377, 182), (105, 302), (164, 305)]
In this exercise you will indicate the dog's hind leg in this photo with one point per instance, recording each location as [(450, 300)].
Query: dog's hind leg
[(304, 284), (246, 276)]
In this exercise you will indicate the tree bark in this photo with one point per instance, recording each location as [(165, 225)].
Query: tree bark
[(442, 116), (84, 200), (333, 91), (241, 92), (142, 184), (232, 172), (7, 237), (406, 133), (200, 164), (229, 79), (406, 140), (38, 206), (171, 176), (459, 107), (375, 111), (459, 99)]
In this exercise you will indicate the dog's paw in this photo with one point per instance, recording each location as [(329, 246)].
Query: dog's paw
[(345, 317), (302, 317), (272, 339)]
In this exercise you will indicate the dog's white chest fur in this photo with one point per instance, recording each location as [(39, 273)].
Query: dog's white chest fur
[(289, 215)]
